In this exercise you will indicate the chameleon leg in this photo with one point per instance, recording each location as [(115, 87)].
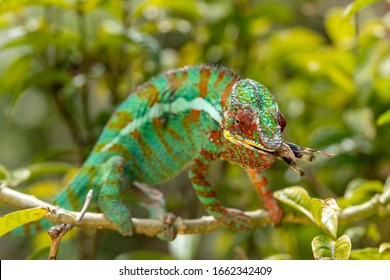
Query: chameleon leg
[(232, 218), (153, 200), (109, 200), (260, 184)]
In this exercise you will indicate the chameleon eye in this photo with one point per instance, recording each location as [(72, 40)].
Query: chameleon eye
[(237, 121)]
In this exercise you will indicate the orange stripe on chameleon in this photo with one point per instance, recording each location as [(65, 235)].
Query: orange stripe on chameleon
[(159, 126), (177, 79), (203, 81), (227, 91), (120, 120)]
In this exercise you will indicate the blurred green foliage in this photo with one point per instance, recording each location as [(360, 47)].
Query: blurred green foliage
[(66, 64)]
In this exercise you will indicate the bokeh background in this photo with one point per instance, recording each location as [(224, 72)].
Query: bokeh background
[(66, 64)]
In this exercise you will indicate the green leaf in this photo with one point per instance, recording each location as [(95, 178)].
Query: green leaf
[(370, 254), (325, 248), (384, 247), (322, 212), (22, 175), (18, 218), (12, 80), (356, 6), (340, 30), (361, 190), (356, 233), (384, 118)]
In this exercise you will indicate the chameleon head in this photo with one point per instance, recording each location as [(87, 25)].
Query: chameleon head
[(252, 118)]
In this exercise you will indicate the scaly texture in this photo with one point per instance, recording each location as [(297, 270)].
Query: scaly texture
[(185, 117)]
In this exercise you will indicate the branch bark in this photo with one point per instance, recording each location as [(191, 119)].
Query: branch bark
[(152, 227)]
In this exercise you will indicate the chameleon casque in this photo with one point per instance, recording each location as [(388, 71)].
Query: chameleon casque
[(187, 117)]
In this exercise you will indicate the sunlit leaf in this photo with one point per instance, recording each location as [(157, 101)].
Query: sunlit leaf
[(383, 247), (274, 11), (16, 219), (356, 6), (326, 248), (384, 118), (356, 233), (360, 190), (340, 30), (341, 79), (321, 212), (370, 254)]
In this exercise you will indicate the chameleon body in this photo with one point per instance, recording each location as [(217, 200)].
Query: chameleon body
[(191, 117)]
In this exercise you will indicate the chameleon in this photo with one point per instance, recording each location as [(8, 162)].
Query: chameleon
[(188, 117)]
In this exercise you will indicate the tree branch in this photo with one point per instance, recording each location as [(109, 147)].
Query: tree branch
[(152, 227)]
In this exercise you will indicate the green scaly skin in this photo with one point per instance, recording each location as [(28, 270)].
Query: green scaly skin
[(185, 117)]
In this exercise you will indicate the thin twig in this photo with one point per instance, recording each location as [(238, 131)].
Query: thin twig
[(57, 232)]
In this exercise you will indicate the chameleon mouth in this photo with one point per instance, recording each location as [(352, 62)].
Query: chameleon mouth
[(288, 152), (247, 143)]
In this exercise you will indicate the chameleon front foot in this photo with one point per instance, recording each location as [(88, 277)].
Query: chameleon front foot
[(235, 219), (122, 219), (169, 230)]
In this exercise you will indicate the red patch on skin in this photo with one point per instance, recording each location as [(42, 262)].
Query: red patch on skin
[(192, 117), (244, 123), (215, 136)]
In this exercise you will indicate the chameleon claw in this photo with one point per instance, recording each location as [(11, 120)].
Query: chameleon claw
[(169, 230)]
